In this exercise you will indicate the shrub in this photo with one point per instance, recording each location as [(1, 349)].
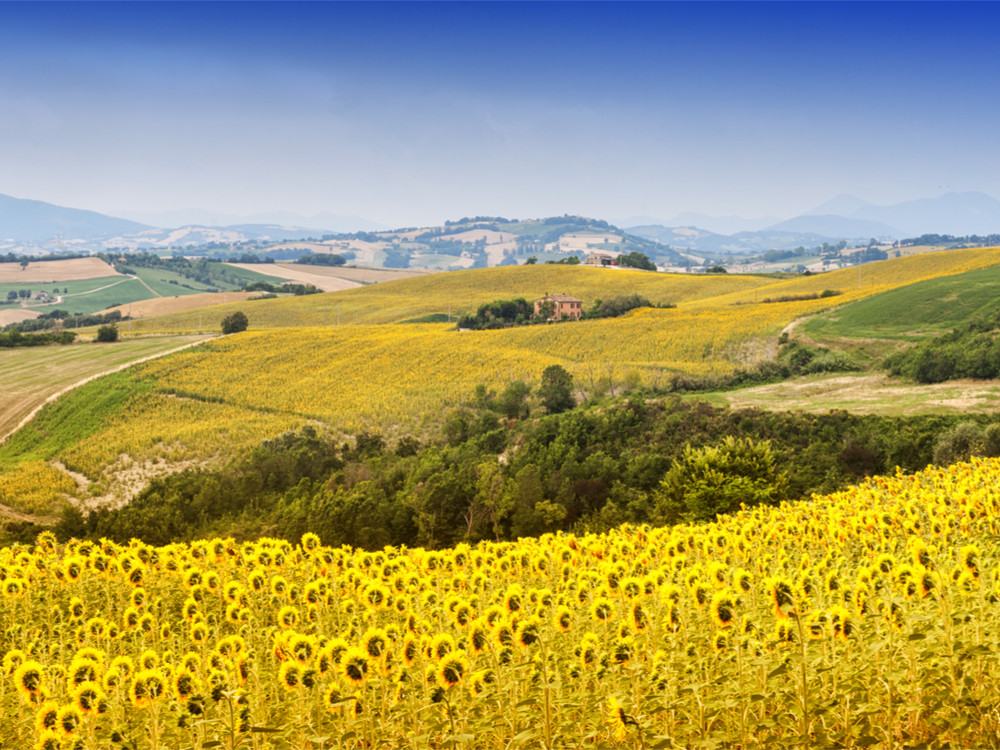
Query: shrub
[(234, 322), (107, 333)]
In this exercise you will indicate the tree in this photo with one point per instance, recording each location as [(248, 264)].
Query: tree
[(107, 333), (556, 390), (705, 482), (234, 322), (635, 259)]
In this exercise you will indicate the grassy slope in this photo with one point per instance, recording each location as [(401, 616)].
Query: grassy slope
[(31, 375), (924, 309)]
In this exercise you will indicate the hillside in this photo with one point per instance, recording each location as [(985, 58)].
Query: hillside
[(350, 362)]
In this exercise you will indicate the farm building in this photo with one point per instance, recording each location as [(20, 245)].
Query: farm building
[(601, 259), (563, 306)]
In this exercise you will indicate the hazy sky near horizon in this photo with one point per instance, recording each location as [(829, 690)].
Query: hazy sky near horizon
[(410, 113)]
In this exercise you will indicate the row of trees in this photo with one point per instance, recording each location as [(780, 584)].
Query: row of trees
[(525, 461)]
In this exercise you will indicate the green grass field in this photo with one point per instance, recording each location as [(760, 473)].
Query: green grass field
[(919, 310)]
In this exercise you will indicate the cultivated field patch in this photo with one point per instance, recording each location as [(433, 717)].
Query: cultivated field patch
[(50, 271)]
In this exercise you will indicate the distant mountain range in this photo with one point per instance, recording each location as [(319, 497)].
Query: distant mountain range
[(35, 221), (31, 226), (845, 217), (329, 222)]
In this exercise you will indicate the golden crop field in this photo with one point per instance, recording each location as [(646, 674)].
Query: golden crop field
[(459, 292), (236, 391), (227, 396), (873, 277), (869, 618)]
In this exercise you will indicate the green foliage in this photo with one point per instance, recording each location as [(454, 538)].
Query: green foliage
[(635, 259), (616, 306), (966, 440), (107, 333), (14, 338), (708, 481), (499, 314), (322, 259), (491, 475), (234, 322), (971, 352), (805, 360), (556, 389)]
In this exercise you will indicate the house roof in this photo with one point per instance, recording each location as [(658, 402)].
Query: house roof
[(561, 298)]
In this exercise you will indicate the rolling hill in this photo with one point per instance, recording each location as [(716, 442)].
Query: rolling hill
[(350, 361)]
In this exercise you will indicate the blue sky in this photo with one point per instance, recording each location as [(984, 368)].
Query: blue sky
[(413, 113)]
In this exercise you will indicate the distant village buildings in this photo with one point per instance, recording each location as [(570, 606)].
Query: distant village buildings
[(563, 306)]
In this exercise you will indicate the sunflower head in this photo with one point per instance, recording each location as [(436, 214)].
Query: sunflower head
[(451, 669)]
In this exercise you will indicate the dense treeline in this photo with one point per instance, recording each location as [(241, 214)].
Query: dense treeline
[(505, 313), (14, 338), (289, 287), (505, 468), (64, 319), (972, 352), (617, 306)]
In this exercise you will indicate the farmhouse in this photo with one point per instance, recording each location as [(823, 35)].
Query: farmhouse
[(601, 259), (563, 306)]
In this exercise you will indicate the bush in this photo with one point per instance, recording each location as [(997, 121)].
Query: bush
[(960, 443), (107, 333), (705, 482), (234, 323)]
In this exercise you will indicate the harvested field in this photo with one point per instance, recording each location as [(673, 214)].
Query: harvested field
[(148, 308), (50, 271), (868, 394), (331, 278), (10, 315)]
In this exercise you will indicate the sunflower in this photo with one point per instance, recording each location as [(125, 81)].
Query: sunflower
[(68, 719), (841, 623), (185, 684), (13, 659), (602, 609), (47, 717), (640, 620), (375, 642), (452, 668), (302, 647), (563, 618), (723, 609), (617, 719), (528, 631), (288, 616), (441, 645), (332, 699), (587, 650), (782, 595), (290, 675), (82, 670), (29, 678), (89, 698), (354, 665)]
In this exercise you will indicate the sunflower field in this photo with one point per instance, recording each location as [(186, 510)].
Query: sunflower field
[(868, 618)]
